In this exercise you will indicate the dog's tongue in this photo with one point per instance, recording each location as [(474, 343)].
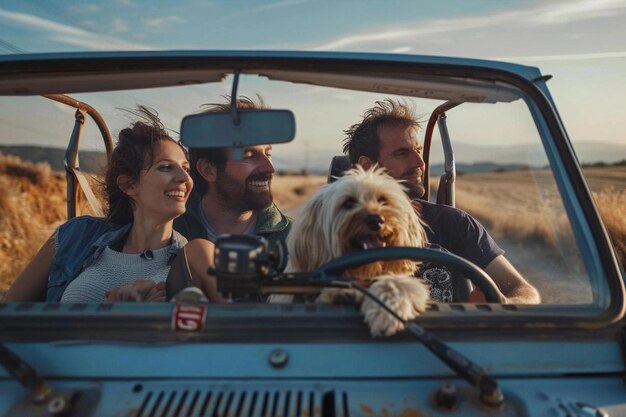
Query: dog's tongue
[(371, 241)]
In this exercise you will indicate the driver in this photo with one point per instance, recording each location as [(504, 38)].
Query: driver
[(387, 136), (232, 196)]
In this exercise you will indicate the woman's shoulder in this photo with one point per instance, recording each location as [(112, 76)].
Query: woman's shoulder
[(86, 230), (90, 224), (75, 238)]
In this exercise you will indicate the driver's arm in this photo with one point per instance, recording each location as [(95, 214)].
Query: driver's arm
[(510, 282), (32, 283)]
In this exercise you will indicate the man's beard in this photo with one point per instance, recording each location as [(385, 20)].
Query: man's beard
[(414, 191), (237, 195)]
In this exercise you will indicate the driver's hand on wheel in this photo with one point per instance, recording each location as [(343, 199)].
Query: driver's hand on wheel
[(138, 290), (477, 296)]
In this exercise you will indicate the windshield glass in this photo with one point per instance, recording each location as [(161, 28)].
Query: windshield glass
[(504, 178)]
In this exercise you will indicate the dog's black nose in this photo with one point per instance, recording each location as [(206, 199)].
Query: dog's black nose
[(374, 222)]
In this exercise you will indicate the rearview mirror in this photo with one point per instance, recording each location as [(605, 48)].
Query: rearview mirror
[(256, 127)]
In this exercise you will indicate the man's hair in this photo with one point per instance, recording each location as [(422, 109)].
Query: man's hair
[(217, 156), (362, 138)]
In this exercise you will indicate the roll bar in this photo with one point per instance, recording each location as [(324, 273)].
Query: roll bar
[(74, 176), (445, 193)]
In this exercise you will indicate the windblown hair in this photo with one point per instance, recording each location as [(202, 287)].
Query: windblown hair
[(218, 156), (334, 223), (133, 152), (362, 138)]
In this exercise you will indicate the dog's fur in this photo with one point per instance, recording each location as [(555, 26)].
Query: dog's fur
[(363, 209)]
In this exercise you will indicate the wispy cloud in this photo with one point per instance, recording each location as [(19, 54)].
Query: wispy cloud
[(564, 57), (68, 34), (543, 14), (278, 5), (88, 24), (263, 8), (163, 21), (577, 10), (119, 25), (127, 3), (401, 50), (433, 27), (85, 8)]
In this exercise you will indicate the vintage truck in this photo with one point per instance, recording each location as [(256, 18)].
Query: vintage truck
[(562, 357)]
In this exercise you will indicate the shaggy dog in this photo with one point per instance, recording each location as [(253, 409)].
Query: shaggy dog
[(360, 211)]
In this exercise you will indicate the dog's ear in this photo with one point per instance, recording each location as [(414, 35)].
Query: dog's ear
[(412, 234), (306, 243), (412, 229), (417, 231)]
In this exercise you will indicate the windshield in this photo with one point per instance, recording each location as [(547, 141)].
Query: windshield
[(489, 157)]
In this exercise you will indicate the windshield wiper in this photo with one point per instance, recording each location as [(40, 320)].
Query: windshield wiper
[(25, 375), (490, 392), (43, 401)]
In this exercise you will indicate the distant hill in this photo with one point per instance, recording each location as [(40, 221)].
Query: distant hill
[(478, 167), (470, 158), (534, 154), (90, 161)]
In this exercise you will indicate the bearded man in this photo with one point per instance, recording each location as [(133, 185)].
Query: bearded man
[(387, 136), (233, 196)]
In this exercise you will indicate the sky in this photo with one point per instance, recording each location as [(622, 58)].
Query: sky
[(582, 43)]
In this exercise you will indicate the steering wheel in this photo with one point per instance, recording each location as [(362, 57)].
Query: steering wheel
[(476, 275)]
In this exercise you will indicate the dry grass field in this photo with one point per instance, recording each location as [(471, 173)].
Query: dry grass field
[(32, 204), (528, 221), (522, 210), (525, 205), (291, 191)]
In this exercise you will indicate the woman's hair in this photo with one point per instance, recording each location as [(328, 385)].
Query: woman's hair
[(133, 153)]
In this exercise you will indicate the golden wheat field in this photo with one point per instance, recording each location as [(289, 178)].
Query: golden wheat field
[(522, 210), (525, 205), (528, 221)]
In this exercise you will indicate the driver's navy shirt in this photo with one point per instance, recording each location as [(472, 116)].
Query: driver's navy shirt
[(456, 231)]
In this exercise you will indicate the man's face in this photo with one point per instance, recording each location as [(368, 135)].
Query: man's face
[(401, 154), (247, 184)]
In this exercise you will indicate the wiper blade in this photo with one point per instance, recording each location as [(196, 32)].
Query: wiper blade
[(490, 392), (43, 401), (25, 375)]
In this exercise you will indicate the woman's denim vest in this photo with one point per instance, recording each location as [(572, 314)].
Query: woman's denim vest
[(79, 242)]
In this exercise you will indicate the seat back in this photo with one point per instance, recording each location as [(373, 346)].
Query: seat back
[(338, 166)]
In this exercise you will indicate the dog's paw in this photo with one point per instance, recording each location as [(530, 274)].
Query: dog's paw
[(407, 296), (339, 296)]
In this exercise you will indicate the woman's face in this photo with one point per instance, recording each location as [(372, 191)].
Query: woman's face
[(162, 189)]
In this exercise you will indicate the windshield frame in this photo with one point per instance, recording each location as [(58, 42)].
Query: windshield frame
[(27, 321)]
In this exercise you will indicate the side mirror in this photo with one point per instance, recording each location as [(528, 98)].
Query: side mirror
[(255, 127)]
